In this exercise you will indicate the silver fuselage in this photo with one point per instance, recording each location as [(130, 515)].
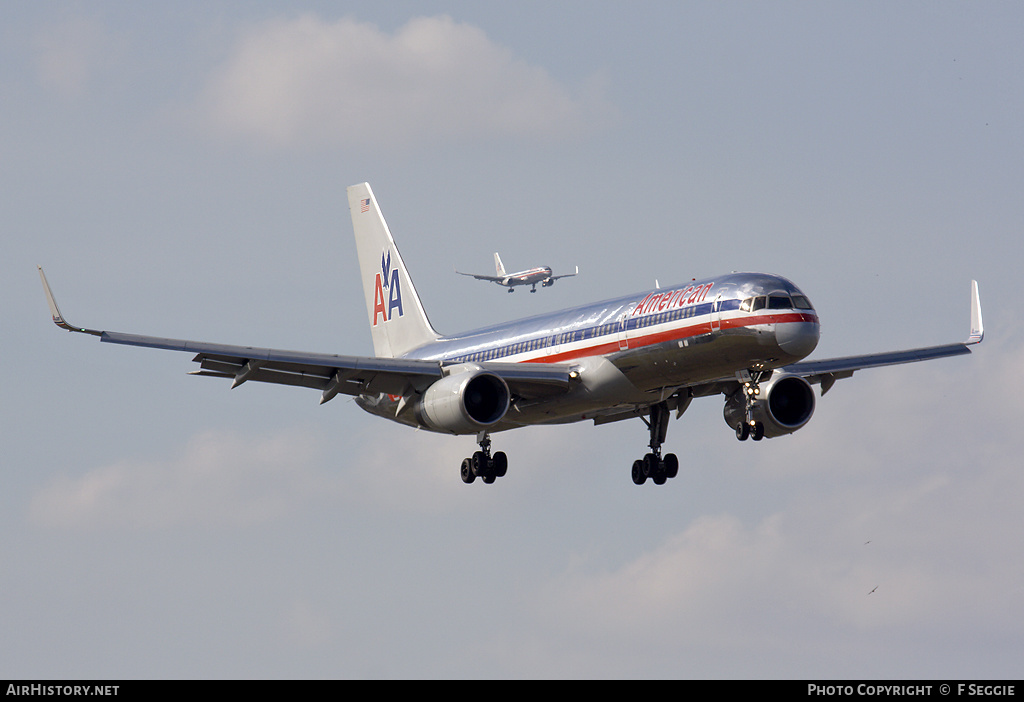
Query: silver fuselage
[(626, 350), (530, 277)]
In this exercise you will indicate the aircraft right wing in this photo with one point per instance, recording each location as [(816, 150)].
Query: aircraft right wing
[(330, 373), (828, 371)]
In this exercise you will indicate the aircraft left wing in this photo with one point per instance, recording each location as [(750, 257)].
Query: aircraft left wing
[(828, 371), (330, 373), (565, 275)]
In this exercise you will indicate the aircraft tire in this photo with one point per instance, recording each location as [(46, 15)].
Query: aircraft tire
[(758, 432), (500, 461), (638, 472), (742, 431), (468, 475), (651, 466), (671, 464)]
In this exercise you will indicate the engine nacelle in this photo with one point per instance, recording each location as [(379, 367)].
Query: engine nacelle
[(785, 403), (464, 403)]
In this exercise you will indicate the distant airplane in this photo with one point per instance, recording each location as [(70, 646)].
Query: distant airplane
[(741, 336), (532, 276), (873, 590)]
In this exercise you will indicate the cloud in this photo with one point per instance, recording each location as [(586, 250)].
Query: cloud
[(307, 81), (221, 478), (910, 485), (69, 55)]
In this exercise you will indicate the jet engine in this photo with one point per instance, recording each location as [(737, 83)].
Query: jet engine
[(784, 404), (464, 403)]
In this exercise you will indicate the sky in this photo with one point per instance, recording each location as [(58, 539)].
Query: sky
[(179, 169)]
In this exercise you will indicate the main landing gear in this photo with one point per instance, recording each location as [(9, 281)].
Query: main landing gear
[(655, 466), (482, 464)]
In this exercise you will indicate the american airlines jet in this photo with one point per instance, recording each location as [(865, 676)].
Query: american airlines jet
[(532, 276), (741, 336)]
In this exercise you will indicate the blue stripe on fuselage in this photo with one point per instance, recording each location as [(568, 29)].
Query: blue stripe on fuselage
[(599, 322)]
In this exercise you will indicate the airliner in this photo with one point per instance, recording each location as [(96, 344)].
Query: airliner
[(532, 276), (743, 337)]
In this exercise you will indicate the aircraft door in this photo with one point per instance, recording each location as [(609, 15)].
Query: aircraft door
[(716, 314), (623, 325)]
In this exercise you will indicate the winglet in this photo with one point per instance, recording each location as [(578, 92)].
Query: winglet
[(977, 326), (58, 318)]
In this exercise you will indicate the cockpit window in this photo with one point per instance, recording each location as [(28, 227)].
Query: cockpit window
[(775, 302), (801, 303)]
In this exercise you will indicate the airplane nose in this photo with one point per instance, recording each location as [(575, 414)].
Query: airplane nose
[(797, 338)]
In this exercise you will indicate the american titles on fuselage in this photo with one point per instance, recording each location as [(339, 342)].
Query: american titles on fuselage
[(672, 299)]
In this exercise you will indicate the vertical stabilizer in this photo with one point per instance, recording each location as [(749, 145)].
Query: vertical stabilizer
[(498, 268), (398, 322)]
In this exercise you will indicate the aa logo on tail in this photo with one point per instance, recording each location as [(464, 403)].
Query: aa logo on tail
[(387, 280)]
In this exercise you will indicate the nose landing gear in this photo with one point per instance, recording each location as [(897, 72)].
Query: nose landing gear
[(750, 427)]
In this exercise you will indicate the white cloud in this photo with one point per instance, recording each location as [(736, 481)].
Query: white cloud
[(307, 81), (923, 509), (69, 55), (220, 478), (406, 471), (223, 478)]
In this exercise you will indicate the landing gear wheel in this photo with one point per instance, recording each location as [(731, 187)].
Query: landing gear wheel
[(638, 472), (479, 461), (758, 432), (671, 465), (500, 461), (468, 475), (742, 431), (482, 464), (653, 465)]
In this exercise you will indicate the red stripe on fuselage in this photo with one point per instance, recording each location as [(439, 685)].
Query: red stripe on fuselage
[(675, 334)]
